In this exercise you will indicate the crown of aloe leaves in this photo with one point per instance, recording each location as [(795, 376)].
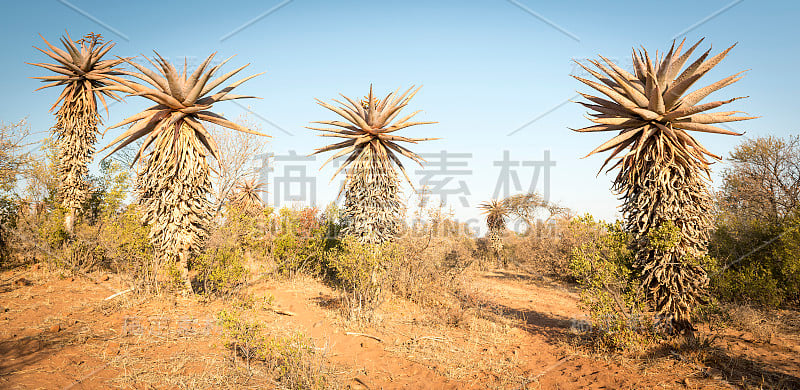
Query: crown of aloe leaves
[(651, 105), (81, 69), (247, 193), (181, 98), (496, 212), (368, 130)]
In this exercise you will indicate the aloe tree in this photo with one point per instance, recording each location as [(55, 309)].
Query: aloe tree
[(80, 69), (174, 185), (246, 197), (497, 212), (663, 170), (373, 210)]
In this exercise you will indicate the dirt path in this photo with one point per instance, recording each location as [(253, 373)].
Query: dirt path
[(60, 332)]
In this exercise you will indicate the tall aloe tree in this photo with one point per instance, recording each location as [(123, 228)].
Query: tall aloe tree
[(663, 170), (80, 69), (373, 210), (497, 212), (174, 186)]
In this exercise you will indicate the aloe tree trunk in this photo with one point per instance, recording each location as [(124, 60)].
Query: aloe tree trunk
[(373, 210), (174, 191), (496, 239), (76, 134), (668, 209)]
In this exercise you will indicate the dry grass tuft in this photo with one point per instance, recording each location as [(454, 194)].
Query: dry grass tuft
[(749, 319)]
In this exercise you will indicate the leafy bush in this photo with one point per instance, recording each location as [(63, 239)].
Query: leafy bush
[(298, 241), (9, 211), (610, 290), (758, 261), (290, 358), (749, 283), (232, 250), (422, 265), (221, 270), (359, 270), (126, 242), (109, 235), (790, 253), (549, 251), (246, 226), (291, 240), (756, 240)]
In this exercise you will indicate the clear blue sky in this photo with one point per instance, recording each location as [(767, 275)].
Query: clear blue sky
[(488, 68)]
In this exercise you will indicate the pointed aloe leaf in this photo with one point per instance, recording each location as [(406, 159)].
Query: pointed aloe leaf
[(703, 128)]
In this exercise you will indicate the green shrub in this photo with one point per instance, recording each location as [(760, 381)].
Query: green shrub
[(421, 265), (665, 238), (758, 261), (610, 289), (249, 240), (9, 211), (549, 251), (751, 283), (290, 358), (51, 232), (221, 270), (298, 242), (359, 270), (245, 226), (756, 240), (108, 235), (790, 254), (127, 246)]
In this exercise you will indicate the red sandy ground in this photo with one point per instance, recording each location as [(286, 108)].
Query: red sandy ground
[(59, 332)]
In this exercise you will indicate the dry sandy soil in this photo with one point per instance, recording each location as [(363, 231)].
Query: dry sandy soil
[(59, 331)]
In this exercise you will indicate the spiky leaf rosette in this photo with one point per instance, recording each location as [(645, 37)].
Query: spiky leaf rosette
[(174, 186), (80, 69), (246, 197), (496, 212), (663, 169), (373, 210)]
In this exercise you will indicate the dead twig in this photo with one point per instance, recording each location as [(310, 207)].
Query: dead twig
[(117, 294), (364, 335), (361, 382), (283, 312), (434, 338), (87, 376)]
